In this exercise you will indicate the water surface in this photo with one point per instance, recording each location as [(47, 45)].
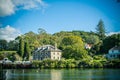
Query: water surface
[(63, 74)]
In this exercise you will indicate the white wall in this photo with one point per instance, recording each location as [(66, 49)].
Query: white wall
[(114, 52), (55, 55)]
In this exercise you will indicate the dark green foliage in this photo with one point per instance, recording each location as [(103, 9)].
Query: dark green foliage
[(12, 57), (13, 45), (41, 31), (21, 47), (110, 41), (3, 45), (96, 48), (101, 30), (26, 51)]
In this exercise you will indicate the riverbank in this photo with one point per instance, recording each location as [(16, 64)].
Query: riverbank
[(68, 63)]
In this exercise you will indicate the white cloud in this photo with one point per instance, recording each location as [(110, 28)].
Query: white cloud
[(9, 33), (28, 4), (8, 7), (111, 33)]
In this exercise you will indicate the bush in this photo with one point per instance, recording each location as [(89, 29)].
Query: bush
[(97, 64), (61, 64), (36, 64)]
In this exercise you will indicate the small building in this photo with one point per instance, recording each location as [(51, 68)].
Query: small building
[(47, 52), (88, 46), (114, 53)]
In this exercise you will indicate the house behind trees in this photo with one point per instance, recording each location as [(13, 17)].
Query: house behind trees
[(47, 52), (114, 53)]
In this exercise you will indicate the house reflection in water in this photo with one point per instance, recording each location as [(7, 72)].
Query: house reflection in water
[(56, 75)]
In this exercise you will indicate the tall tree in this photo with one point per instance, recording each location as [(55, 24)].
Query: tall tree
[(21, 47), (101, 29), (41, 31), (26, 51)]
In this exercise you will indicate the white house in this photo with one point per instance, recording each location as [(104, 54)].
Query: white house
[(114, 53), (47, 52)]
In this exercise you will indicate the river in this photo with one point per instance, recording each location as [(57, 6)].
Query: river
[(62, 74)]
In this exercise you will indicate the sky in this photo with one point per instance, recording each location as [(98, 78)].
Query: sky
[(21, 16)]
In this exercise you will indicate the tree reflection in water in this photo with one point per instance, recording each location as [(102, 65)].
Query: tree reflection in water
[(61, 74), (2, 73)]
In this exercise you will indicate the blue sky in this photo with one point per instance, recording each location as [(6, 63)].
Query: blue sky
[(59, 15)]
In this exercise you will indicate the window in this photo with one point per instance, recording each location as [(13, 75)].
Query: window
[(110, 55), (41, 58), (112, 51), (119, 56), (113, 55), (58, 53), (58, 57)]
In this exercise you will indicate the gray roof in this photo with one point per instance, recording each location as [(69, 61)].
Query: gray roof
[(115, 48), (47, 48)]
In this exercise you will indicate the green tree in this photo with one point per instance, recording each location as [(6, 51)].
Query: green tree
[(73, 47), (13, 45), (96, 48), (21, 47), (32, 39), (26, 51), (101, 29), (3, 45), (110, 41), (92, 39), (41, 31)]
